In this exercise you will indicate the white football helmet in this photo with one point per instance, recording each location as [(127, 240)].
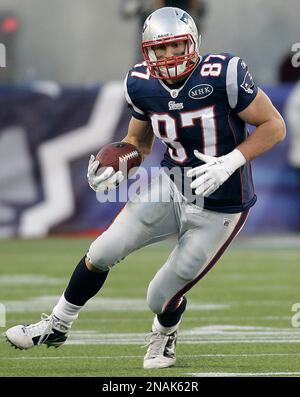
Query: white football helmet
[(168, 25)]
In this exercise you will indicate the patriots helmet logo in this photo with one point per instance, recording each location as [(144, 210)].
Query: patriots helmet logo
[(248, 83), (185, 18)]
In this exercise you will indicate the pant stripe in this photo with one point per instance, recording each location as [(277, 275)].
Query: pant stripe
[(213, 261)]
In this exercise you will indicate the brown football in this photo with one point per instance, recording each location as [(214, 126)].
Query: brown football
[(119, 155)]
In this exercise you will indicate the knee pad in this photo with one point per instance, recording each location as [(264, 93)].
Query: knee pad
[(99, 265), (155, 299), (102, 258)]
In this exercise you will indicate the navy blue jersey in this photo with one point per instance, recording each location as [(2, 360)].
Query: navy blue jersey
[(200, 113)]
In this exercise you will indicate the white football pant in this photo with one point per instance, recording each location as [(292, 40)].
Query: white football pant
[(203, 236)]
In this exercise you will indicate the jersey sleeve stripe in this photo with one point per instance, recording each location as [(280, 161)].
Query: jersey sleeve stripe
[(231, 82), (128, 99)]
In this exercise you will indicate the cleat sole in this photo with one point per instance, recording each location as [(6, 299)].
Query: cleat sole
[(12, 344)]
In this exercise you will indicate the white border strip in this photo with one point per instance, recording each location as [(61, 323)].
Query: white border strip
[(231, 82), (128, 99)]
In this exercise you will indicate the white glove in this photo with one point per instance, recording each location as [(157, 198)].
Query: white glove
[(210, 176), (107, 180)]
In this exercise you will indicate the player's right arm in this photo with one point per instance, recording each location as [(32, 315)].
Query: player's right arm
[(140, 134), (136, 89), (270, 127)]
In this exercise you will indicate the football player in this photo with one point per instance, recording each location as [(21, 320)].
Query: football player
[(198, 105)]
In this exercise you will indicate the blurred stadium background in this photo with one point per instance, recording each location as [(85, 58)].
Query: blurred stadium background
[(61, 98)]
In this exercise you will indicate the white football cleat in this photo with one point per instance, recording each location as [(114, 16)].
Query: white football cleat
[(50, 331), (161, 351)]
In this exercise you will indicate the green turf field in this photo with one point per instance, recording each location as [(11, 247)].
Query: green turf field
[(238, 319)]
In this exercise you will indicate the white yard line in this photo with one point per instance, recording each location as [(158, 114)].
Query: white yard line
[(208, 342), (141, 356), (31, 279), (213, 334), (99, 304), (268, 242)]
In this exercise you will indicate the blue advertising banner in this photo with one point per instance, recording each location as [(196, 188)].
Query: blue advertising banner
[(47, 135)]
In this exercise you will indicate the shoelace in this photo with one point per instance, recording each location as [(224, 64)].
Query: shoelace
[(170, 346), (41, 328), (156, 345)]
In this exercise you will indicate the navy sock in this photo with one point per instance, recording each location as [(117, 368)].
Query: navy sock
[(84, 284), (171, 318)]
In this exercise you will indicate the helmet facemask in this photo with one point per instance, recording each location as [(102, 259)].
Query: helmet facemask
[(171, 68)]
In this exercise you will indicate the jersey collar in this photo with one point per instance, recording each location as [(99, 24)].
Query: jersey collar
[(174, 92)]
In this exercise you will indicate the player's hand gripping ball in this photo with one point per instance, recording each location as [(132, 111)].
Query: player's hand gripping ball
[(113, 163)]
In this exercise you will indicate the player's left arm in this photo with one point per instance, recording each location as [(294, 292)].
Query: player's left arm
[(270, 127), (270, 130), (253, 106)]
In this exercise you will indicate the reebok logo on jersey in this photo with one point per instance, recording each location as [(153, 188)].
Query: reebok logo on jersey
[(175, 106), (201, 91), (226, 222)]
